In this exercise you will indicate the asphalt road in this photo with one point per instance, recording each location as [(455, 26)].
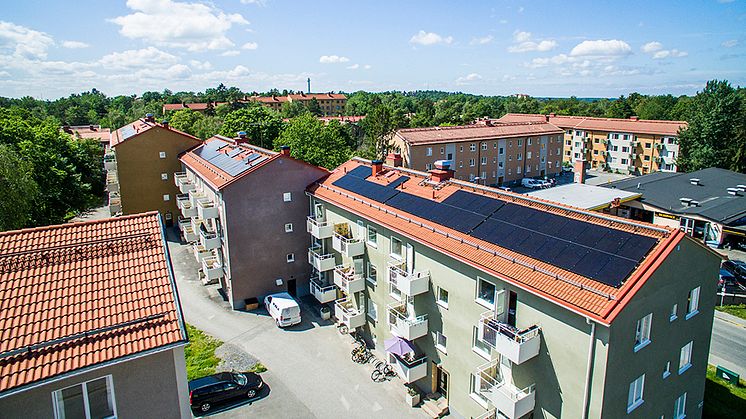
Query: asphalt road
[(728, 343)]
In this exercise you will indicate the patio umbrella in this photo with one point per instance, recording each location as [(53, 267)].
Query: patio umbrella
[(398, 346)]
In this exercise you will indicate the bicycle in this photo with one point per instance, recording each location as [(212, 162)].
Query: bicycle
[(382, 372), (361, 354)]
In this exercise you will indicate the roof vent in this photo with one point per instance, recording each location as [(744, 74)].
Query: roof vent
[(686, 201), (694, 181), (733, 191), (693, 203), (741, 188)]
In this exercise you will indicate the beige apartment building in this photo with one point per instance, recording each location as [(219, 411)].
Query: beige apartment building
[(489, 153), (633, 146), (513, 306), (331, 104)]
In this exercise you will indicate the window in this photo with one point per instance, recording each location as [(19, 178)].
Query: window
[(162, 154), (558, 151), (634, 398), (685, 357), (396, 248), (290, 257), (679, 407), (429, 166), (528, 141), (486, 293), (472, 162), (372, 236), (642, 333), (647, 145), (520, 142), (472, 147), (624, 161), (625, 149), (528, 169), (646, 158), (693, 303), (674, 310), (164, 176), (166, 197), (519, 157), (528, 154), (500, 151), (442, 297), (518, 170), (429, 151), (440, 341), (475, 393), (667, 370), (479, 347), (372, 310), (287, 197), (289, 227), (372, 273), (461, 163), (461, 149), (484, 146), (92, 399), (442, 150), (500, 165), (484, 160)]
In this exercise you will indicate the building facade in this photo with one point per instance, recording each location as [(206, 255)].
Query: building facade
[(92, 322), (330, 104), (492, 154), (244, 210), (633, 146), (144, 156), (534, 325)]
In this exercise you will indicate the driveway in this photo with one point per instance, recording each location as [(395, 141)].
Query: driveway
[(310, 373), (728, 343)]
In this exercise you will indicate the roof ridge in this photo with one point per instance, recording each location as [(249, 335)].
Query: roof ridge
[(78, 223)]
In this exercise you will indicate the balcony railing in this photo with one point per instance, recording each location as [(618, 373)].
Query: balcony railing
[(322, 262), (405, 324), (110, 162), (212, 268), (410, 369), (112, 182), (410, 284), (187, 209), (115, 203), (347, 246), (319, 229), (200, 253), (517, 345), (323, 292), (207, 209), (208, 239), (347, 314), (195, 195), (347, 280), (506, 397), (490, 414)]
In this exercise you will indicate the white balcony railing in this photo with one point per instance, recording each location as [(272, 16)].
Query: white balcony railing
[(212, 268), (410, 369), (209, 240), (347, 314), (404, 324), (183, 183), (185, 205), (517, 345), (200, 253), (319, 229), (510, 400), (112, 182), (347, 280), (322, 262), (410, 284), (347, 246), (115, 203), (207, 209), (323, 292), (196, 195), (110, 162), (489, 414)]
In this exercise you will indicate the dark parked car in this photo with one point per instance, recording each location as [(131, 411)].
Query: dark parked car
[(206, 392), (737, 269)]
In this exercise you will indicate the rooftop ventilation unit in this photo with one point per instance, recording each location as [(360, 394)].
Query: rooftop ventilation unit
[(741, 188), (693, 203), (733, 191), (686, 201), (694, 181)]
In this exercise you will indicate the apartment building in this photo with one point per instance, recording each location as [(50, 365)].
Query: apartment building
[(511, 305), (91, 322), (197, 107), (486, 153), (633, 146), (244, 209), (144, 154), (331, 104)]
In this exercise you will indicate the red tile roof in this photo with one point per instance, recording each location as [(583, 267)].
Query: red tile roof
[(77, 295), (570, 290), (318, 96), (269, 99), (632, 125), (89, 131), (136, 128), (434, 135), (192, 106)]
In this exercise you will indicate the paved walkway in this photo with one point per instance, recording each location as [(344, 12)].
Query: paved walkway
[(310, 371), (728, 344)]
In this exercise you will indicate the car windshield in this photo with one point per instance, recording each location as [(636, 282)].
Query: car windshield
[(240, 379)]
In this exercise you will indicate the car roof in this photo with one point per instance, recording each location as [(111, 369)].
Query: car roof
[(283, 300), (209, 380)]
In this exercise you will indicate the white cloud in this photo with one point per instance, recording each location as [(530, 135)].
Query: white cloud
[(333, 59), (192, 26), (655, 49), (199, 65), (652, 47), (230, 53), (523, 43), (150, 57), (503, 21), (74, 44), (482, 40), (24, 42), (601, 48), (430, 38), (261, 3), (353, 67), (367, 66), (730, 43), (250, 45), (472, 77)]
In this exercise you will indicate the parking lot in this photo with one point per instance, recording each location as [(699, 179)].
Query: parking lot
[(310, 373)]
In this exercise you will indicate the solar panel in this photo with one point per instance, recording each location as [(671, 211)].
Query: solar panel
[(398, 181), (361, 172), (360, 186), (127, 132)]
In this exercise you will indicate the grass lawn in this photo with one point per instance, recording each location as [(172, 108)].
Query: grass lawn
[(736, 310), (722, 399), (200, 353)]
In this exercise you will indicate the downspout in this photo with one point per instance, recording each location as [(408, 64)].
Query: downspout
[(589, 368)]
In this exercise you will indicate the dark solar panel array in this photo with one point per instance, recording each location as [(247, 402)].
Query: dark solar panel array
[(213, 153), (601, 253), (398, 181)]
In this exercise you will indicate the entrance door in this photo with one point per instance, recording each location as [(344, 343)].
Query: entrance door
[(291, 287), (442, 386)]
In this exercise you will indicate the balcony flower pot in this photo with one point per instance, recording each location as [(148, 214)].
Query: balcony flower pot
[(326, 313), (413, 397)]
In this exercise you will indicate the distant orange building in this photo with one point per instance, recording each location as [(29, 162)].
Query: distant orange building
[(331, 104)]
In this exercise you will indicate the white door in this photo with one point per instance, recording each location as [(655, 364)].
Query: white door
[(410, 258)]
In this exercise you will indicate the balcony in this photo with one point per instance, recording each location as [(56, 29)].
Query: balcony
[(507, 398), (517, 345), (112, 182), (208, 239), (347, 280), (410, 369), (410, 284), (185, 205), (110, 162), (405, 324), (319, 229), (115, 203), (321, 262), (323, 292), (212, 268), (195, 196), (347, 246), (207, 209), (490, 414), (348, 315), (183, 183), (200, 253)]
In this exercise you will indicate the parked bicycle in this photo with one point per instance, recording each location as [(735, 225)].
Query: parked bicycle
[(382, 372)]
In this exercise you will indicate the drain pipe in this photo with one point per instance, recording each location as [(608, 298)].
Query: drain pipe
[(589, 368)]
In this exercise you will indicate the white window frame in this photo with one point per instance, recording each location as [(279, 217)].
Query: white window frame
[(57, 395), (685, 357), (482, 302), (290, 257), (692, 303), (371, 229), (484, 146), (632, 396), (474, 393), (429, 151), (439, 300), (397, 256), (642, 332), (372, 304), (162, 154), (667, 371), (164, 176), (674, 311), (373, 279), (443, 347), (484, 353), (679, 407), (166, 197), (287, 197), (288, 227)]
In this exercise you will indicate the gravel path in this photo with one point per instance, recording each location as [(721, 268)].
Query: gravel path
[(233, 358)]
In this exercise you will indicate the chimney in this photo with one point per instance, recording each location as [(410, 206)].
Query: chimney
[(394, 159), (579, 170), (90, 127), (694, 181), (165, 123), (241, 137), (149, 117), (442, 171), (377, 166), (285, 150), (634, 118), (546, 117)]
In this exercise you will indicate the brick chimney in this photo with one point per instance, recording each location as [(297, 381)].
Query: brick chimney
[(165, 123), (241, 137), (377, 166), (442, 171), (394, 159), (579, 171), (285, 150), (149, 117), (634, 118)]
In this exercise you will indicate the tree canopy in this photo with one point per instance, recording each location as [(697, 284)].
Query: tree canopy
[(312, 141)]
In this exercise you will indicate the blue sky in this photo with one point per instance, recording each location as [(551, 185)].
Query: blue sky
[(50, 49)]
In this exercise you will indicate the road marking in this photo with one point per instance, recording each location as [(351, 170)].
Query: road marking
[(344, 401)]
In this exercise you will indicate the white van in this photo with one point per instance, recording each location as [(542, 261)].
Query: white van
[(283, 308)]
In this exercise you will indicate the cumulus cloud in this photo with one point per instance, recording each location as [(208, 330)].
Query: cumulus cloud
[(261, 3), (353, 67), (730, 43), (601, 48), (367, 66), (24, 42), (250, 46), (523, 43), (472, 77), (652, 47), (74, 44), (482, 40), (230, 53), (655, 49), (333, 59), (200, 65), (192, 26), (430, 38), (150, 57)]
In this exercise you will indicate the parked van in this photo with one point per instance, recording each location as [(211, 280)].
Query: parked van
[(283, 308)]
